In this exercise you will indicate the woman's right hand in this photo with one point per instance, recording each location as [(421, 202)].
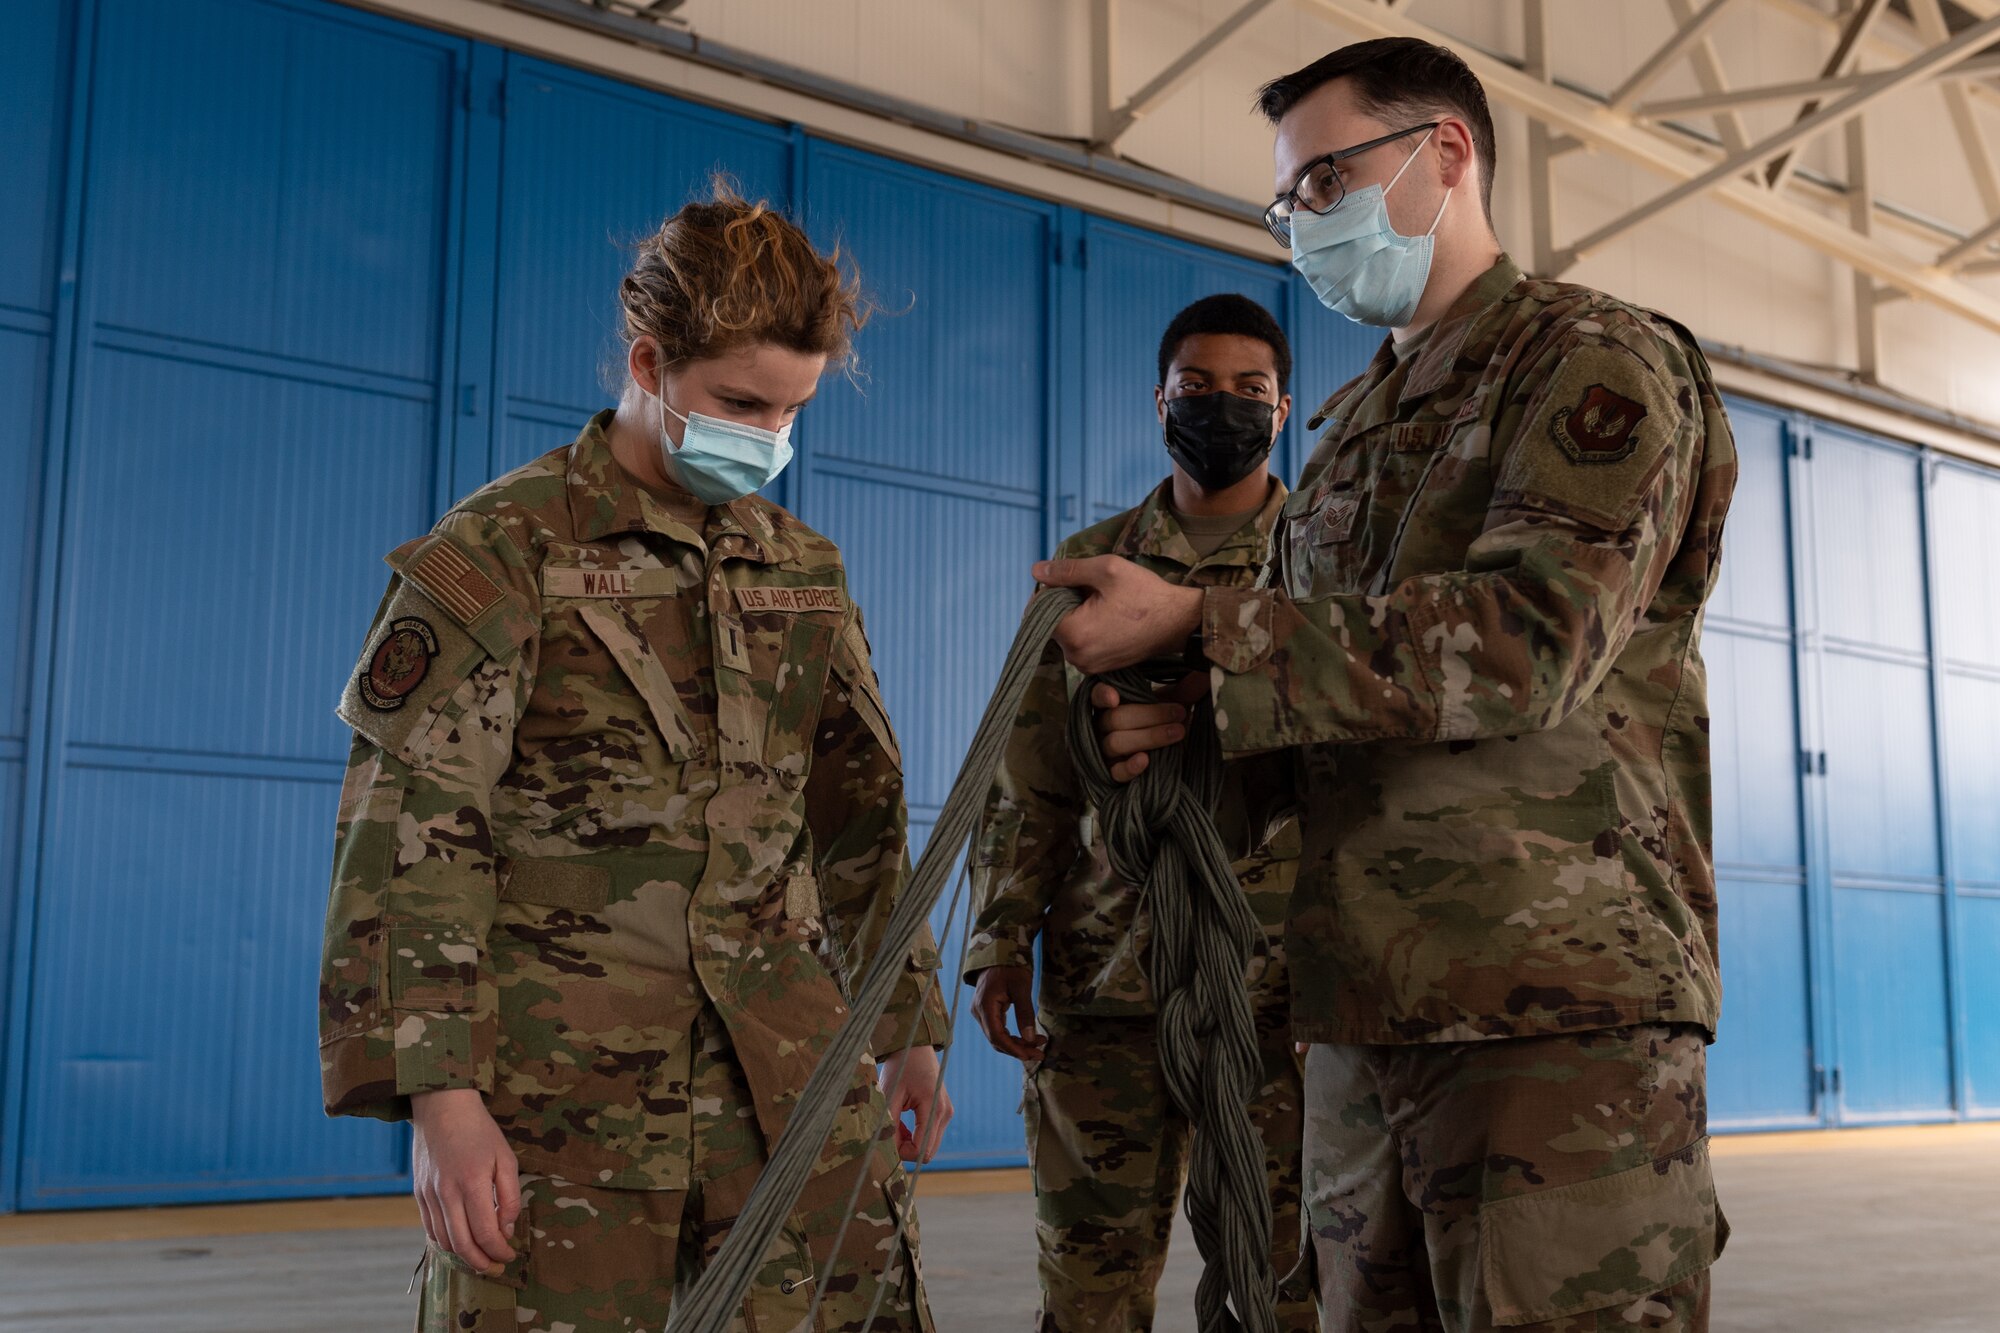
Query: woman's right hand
[(468, 1185)]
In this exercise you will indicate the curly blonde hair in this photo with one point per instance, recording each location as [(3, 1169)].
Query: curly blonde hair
[(726, 273)]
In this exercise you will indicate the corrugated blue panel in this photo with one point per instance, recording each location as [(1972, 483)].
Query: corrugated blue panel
[(264, 177), (211, 1085), (1894, 1042), (1979, 946), (1966, 505), (1881, 788), (954, 373), (1972, 703), (939, 454), (302, 487), (1869, 544), (24, 373), (1965, 509), (591, 167), (1890, 954), (34, 109), (264, 289), (1756, 754), (1760, 1071), (1134, 284), (1756, 581), (33, 75)]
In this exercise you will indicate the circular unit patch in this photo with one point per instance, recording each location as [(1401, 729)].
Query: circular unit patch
[(399, 664)]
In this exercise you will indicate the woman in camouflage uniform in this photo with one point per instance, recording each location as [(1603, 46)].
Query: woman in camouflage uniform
[(624, 812)]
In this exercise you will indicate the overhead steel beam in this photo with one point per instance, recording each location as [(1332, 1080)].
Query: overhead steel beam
[(1541, 159), (1846, 51), (1675, 107), (1931, 24), (1572, 113), (1861, 217), (1649, 71), (1708, 73), (1835, 113), (1178, 71), (1962, 255), (1103, 67)]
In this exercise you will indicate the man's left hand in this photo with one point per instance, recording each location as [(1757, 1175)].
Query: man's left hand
[(1129, 614), (911, 1081)]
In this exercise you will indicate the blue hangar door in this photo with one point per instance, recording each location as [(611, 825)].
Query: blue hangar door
[(263, 287)]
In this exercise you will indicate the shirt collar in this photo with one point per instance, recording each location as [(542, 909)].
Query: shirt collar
[(1434, 360), (1154, 531)]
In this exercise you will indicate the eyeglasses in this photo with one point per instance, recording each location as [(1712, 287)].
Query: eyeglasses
[(1321, 186)]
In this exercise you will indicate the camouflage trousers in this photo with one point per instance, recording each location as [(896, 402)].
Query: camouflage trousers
[(1559, 1184), (592, 1259), (1109, 1154)]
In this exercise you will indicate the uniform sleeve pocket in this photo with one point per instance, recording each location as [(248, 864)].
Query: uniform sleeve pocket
[(432, 968), (1600, 1244)]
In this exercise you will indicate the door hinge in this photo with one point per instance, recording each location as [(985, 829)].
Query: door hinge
[(468, 400), (1082, 252), (1812, 763)]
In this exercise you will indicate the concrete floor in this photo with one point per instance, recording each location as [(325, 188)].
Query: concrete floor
[(1869, 1231)]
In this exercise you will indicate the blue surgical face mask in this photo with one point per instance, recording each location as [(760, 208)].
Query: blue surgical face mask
[(1360, 265), (719, 461)]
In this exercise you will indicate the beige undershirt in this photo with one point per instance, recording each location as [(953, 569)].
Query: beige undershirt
[(1411, 345), (1207, 532)]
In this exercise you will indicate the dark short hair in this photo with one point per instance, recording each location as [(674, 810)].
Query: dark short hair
[(1398, 77), (1228, 312)]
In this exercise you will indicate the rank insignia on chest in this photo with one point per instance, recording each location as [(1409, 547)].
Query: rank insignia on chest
[(1602, 428), (399, 664)]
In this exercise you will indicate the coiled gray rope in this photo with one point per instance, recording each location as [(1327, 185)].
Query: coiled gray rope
[(1162, 814), (1159, 833)]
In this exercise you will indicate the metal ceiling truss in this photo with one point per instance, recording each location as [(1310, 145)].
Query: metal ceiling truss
[(1759, 178)]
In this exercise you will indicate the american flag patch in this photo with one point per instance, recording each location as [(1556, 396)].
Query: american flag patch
[(453, 583)]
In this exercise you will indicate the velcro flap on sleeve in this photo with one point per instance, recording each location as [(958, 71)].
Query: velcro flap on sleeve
[(450, 574), (414, 660), (1599, 1244), (432, 968), (1591, 446)]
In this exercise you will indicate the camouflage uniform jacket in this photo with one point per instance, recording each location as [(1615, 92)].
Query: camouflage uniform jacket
[(1038, 867), (608, 768), (1482, 649)]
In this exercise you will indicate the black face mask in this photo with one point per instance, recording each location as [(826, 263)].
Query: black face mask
[(1218, 438)]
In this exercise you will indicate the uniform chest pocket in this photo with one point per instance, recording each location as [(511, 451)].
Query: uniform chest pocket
[(644, 672), (775, 646), (1343, 533)]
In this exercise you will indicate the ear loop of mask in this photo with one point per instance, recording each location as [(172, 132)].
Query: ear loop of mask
[(1399, 175), (667, 446)]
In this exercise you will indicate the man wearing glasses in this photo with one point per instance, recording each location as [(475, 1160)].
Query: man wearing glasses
[(1480, 648)]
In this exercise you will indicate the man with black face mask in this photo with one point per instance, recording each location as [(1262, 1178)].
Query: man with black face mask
[(1107, 1147)]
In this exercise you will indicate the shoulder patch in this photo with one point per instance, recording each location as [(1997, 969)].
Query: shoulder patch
[(398, 665), (1601, 427)]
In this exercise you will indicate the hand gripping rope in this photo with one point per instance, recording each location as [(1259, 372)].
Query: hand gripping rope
[(1160, 834)]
